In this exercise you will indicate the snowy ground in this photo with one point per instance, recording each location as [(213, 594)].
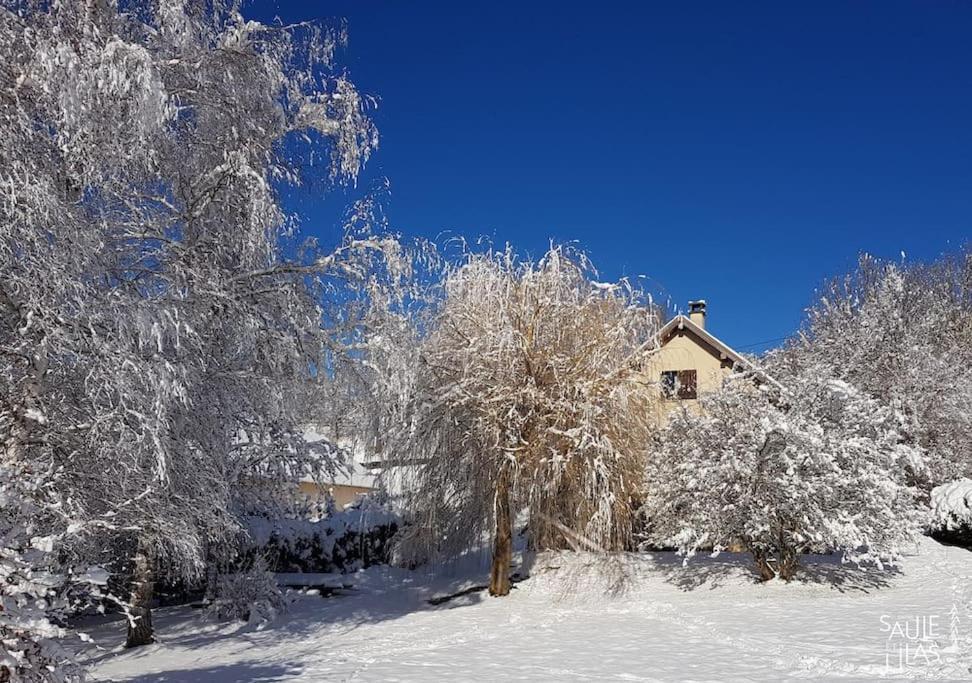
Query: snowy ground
[(639, 618)]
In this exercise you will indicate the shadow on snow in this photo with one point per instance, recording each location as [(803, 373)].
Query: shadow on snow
[(705, 571)]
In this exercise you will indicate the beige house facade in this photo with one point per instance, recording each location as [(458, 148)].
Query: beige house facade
[(342, 494), (690, 362), (350, 484)]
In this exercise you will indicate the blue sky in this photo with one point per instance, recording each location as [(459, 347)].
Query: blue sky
[(737, 152)]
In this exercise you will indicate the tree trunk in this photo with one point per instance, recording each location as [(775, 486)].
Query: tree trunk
[(19, 435), (766, 572), (212, 581), (140, 630), (788, 563), (499, 579), (786, 553)]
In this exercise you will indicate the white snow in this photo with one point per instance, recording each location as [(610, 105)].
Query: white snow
[(36, 415), (313, 579), (578, 618), (97, 576), (952, 504), (354, 473)]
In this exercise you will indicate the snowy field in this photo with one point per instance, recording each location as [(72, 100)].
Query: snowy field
[(639, 618)]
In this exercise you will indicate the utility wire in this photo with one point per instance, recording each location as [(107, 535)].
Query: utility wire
[(760, 343)]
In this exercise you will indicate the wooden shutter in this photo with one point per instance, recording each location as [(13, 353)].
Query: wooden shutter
[(687, 384)]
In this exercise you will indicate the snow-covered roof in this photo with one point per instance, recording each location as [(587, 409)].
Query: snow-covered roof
[(725, 352)]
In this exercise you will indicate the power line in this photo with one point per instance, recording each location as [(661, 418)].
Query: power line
[(760, 343)]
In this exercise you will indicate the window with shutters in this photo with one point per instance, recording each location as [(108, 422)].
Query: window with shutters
[(679, 384)]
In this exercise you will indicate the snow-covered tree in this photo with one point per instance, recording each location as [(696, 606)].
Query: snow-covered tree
[(32, 590), (901, 333), (157, 317), (816, 467), (526, 394)]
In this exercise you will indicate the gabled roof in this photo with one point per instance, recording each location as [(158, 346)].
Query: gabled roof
[(681, 322)]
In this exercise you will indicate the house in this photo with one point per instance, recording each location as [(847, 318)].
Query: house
[(348, 485), (690, 362), (342, 493)]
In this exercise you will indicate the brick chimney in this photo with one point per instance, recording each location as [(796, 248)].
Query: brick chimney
[(697, 312)]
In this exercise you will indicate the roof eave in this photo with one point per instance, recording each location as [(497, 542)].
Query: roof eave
[(683, 322)]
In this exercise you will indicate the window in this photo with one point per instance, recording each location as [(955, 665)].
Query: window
[(669, 378), (679, 384)]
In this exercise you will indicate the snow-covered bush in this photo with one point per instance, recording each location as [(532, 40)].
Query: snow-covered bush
[(251, 595), (817, 467), (951, 518), (32, 592), (952, 504), (29, 641), (356, 537)]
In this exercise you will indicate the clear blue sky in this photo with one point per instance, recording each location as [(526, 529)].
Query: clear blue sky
[(740, 152)]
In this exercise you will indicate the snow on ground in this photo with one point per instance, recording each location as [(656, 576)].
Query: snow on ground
[(637, 617)]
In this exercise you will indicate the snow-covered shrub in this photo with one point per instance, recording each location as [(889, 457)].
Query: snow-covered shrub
[(32, 590), (251, 595), (816, 468), (29, 647), (951, 506), (356, 537)]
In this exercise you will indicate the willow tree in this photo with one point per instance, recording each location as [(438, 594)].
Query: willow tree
[(528, 395)]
